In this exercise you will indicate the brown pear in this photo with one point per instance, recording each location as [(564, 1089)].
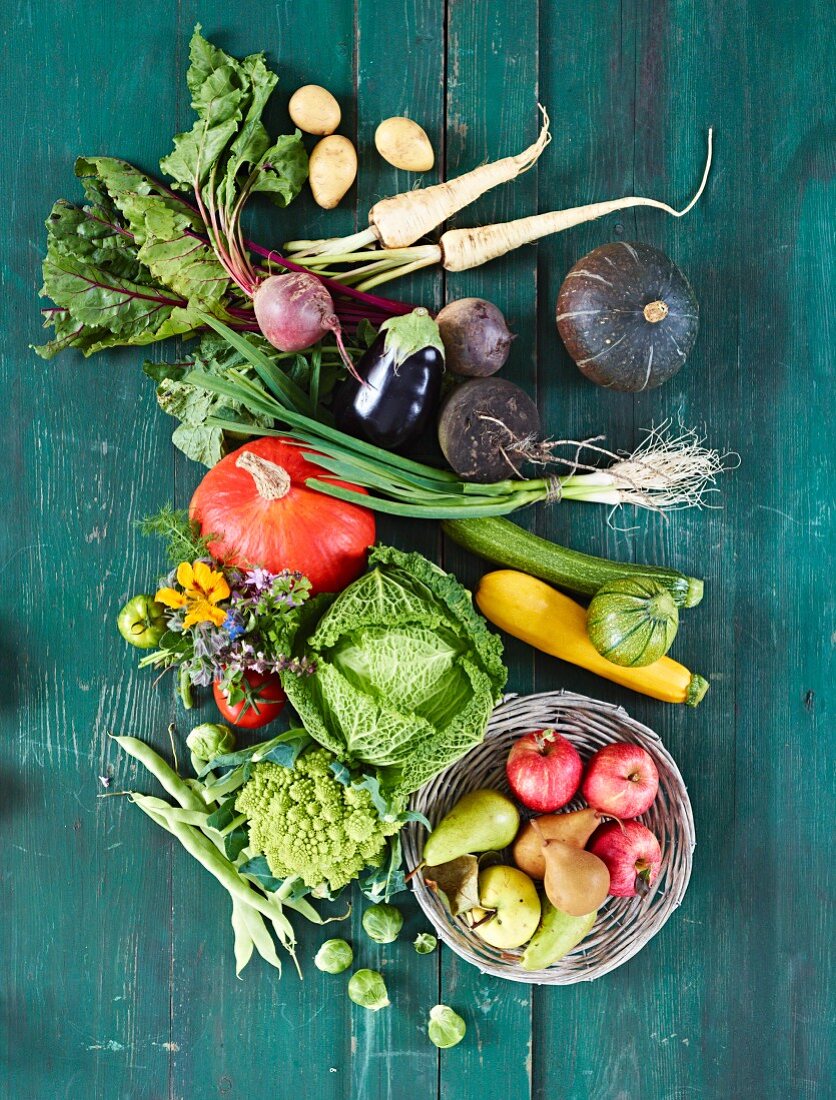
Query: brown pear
[(573, 828), (576, 881)]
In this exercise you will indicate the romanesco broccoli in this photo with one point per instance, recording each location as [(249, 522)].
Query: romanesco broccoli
[(309, 825)]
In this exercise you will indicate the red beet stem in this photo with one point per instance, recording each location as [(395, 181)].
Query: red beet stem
[(387, 305)]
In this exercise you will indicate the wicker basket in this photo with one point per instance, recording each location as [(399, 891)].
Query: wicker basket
[(624, 925)]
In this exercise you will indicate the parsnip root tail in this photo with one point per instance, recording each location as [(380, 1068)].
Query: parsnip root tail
[(403, 219), (467, 248)]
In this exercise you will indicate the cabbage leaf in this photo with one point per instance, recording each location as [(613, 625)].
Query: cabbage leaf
[(407, 672)]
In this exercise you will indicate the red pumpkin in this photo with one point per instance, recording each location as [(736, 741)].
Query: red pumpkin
[(256, 500)]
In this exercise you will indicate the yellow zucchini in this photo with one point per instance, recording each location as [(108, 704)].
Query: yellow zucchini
[(538, 614)]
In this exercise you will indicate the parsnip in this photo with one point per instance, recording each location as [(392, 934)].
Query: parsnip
[(463, 249), (401, 220)]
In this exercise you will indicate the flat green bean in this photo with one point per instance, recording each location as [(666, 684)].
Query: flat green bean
[(208, 856), (171, 782), (243, 944)]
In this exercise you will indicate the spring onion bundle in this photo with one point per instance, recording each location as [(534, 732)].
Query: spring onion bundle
[(663, 474)]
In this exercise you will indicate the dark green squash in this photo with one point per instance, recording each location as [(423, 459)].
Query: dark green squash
[(632, 621), (627, 316)]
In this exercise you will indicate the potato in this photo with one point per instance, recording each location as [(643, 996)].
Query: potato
[(332, 169), (314, 110), (403, 143)]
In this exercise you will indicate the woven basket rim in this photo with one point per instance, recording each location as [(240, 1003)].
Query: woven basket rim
[(624, 925)]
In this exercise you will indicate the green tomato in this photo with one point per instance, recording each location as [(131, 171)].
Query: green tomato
[(445, 1027), (368, 990), (334, 956), (382, 923), (425, 943), (142, 622)]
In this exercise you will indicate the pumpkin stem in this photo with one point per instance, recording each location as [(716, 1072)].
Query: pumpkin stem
[(655, 311), (271, 481)]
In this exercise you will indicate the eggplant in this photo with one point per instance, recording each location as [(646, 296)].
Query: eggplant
[(400, 384)]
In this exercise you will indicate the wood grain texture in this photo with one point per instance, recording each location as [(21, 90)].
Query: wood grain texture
[(492, 113), (116, 979)]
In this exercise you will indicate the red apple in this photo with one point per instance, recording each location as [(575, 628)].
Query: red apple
[(544, 770), (621, 779), (632, 855)]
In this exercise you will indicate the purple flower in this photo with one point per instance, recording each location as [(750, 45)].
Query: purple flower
[(259, 579)]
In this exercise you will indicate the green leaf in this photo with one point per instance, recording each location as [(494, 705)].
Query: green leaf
[(236, 841), (387, 879), (106, 296), (259, 869), (201, 444), (287, 748), (341, 773), (277, 749), (371, 784), (366, 333), (414, 815), (228, 142), (168, 233), (223, 816), (282, 170), (178, 259)]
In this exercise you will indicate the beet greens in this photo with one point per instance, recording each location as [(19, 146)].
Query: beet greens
[(139, 258)]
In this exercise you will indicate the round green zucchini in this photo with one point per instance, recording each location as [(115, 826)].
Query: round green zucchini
[(633, 621)]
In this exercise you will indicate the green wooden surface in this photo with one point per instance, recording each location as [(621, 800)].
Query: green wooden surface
[(116, 972)]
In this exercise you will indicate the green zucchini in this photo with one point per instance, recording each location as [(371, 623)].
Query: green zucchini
[(503, 542), (632, 621)]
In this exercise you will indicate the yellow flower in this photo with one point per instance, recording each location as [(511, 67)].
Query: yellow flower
[(203, 589)]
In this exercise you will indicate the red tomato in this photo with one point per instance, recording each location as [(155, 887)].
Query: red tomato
[(265, 700)]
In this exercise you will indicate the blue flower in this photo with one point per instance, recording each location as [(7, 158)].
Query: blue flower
[(233, 625)]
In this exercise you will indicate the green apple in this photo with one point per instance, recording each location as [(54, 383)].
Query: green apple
[(511, 897)]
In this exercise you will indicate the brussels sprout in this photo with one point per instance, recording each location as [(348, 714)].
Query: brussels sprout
[(382, 923), (425, 943), (210, 740), (446, 1027), (334, 956), (368, 990)]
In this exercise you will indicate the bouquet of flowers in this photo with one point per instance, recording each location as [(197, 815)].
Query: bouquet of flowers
[(219, 625)]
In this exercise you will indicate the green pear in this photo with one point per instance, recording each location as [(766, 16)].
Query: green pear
[(511, 907), (481, 821), (557, 935)]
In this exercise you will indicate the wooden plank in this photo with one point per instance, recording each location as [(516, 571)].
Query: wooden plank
[(263, 1032), (689, 1006), (492, 113), (399, 71), (88, 942)]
